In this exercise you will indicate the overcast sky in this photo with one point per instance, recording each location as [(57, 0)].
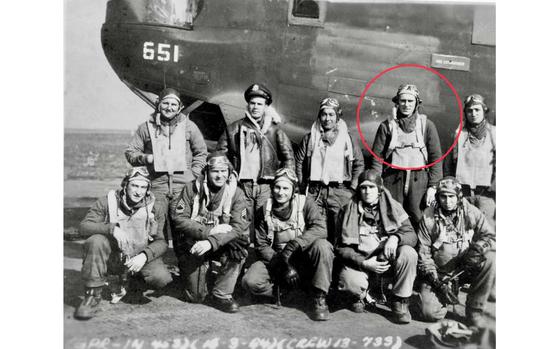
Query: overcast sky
[(94, 97)]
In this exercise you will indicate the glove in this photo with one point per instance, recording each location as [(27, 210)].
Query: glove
[(445, 293), (291, 276), (442, 290), (475, 257), (291, 247), (283, 271), (237, 249)]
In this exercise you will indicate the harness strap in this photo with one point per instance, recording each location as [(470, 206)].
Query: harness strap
[(299, 202), (419, 130)]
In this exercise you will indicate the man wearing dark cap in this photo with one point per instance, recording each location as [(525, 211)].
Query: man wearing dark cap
[(408, 139), (126, 237), (328, 162), (456, 246), (256, 147), (171, 146), (210, 231), (375, 238), (473, 161), (291, 245)]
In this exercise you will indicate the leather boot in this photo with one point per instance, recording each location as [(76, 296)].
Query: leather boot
[(227, 305), (358, 306), (90, 305), (399, 307), (320, 311)]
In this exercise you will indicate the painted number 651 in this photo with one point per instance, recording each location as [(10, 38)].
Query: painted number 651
[(163, 53)]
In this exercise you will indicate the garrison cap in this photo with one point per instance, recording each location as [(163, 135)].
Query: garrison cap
[(258, 90), (409, 89), (475, 99)]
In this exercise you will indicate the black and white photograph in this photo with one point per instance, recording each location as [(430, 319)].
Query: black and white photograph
[(270, 174)]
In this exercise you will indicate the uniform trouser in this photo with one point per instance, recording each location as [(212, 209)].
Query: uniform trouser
[(480, 286), (195, 275), (356, 283), (101, 256), (255, 196), (330, 200), (162, 200), (394, 181), (316, 262)]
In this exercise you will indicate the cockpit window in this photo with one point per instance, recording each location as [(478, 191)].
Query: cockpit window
[(307, 12), (177, 13), (306, 9)]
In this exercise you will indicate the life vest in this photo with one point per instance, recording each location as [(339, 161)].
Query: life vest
[(250, 160), (475, 162), (220, 215), (408, 149), (452, 239), (169, 151), (281, 232), (326, 165), (138, 225), (372, 238)]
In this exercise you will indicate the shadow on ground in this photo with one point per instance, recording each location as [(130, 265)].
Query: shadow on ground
[(165, 316)]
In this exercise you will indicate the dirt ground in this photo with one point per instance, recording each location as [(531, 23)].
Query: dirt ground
[(162, 319)]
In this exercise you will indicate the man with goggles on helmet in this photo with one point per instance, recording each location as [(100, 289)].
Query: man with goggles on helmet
[(210, 231), (291, 245), (473, 161), (126, 233), (408, 139), (328, 162), (456, 242), (375, 238), (171, 146)]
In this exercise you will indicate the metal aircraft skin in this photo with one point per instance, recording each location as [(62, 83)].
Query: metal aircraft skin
[(303, 51)]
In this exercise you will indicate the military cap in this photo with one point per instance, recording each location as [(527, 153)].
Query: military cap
[(258, 90)]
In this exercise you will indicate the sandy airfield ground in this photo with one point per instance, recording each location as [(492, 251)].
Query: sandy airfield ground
[(165, 320)]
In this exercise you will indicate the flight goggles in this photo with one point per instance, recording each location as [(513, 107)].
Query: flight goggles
[(287, 174), (409, 89), (218, 162), (449, 185), (138, 172), (330, 102), (475, 99)]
